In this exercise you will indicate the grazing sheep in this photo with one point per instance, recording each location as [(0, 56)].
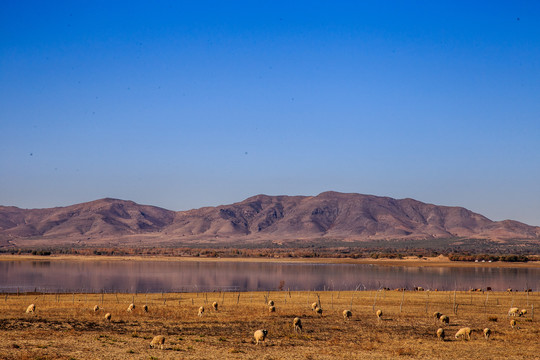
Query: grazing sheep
[(145, 308), (31, 308), (272, 309), (464, 333), (318, 310), (157, 340), (445, 319), (96, 308), (513, 311), (131, 307), (347, 314), (201, 311), (314, 306), (260, 335), (215, 305), (108, 316), (271, 303), (523, 312), (379, 314), (513, 323), (487, 333), (297, 323), (440, 334), (437, 315)]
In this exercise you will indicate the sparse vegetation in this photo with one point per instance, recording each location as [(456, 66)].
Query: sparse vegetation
[(61, 330)]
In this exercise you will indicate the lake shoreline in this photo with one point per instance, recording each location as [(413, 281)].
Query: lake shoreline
[(411, 261)]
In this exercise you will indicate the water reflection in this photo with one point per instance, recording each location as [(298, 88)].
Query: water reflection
[(157, 276)]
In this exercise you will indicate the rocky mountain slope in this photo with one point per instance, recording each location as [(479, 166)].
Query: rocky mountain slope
[(329, 215)]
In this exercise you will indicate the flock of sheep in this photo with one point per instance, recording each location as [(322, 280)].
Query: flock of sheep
[(261, 334), (465, 333)]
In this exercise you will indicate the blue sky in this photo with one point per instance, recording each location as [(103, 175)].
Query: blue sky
[(190, 104)]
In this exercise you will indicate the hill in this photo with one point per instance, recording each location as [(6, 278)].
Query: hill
[(261, 218)]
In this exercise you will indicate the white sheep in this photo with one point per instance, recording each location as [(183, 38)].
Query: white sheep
[(513, 311), (437, 315), (145, 308), (271, 303), (523, 312), (96, 308), (201, 311), (131, 307), (464, 333), (108, 316), (440, 334), (297, 323), (31, 308), (319, 311), (347, 314), (157, 340), (314, 306), (260, 335), (487, 333), (215, 305), (445, 319), (379, 314), (272, 309)]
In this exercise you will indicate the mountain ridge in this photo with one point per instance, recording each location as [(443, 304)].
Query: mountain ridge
[(329, 215)]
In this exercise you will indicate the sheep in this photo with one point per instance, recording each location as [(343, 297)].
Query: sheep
[(513, 323), (379, 314), (215, 305), (108, 317), (31, 308), (523, 312), (487, 333), (347, 314), (445, 319), (201, 311), (297, 324), (318, 310), (464, 333), (437, 315), (157, 340), (513, 311), (314, 306), (271, 303), (260, 335), (440, 334), (131, 307), (272, 309), (96, 308), (145, 308)]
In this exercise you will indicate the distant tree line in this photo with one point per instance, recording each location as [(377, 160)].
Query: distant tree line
[(306, 252)]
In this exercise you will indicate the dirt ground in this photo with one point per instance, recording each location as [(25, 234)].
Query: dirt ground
[(64, 326)]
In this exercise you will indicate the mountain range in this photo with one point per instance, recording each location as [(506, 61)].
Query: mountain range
[(281, 219)]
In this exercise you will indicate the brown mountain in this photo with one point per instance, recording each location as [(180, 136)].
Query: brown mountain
[(95, 220), (330, 215)]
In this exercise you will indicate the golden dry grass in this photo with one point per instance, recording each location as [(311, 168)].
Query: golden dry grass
[(66, 327)]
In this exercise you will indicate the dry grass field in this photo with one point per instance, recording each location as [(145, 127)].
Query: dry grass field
[(66, 327)]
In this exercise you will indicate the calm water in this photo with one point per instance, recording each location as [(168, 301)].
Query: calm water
[(172, 276)]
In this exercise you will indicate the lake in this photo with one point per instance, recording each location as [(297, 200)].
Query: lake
[(186, 276)]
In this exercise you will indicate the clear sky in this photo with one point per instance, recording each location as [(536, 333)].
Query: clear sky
[(189, 104)]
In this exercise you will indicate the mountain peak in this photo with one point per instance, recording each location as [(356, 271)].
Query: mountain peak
[(329, 215)]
